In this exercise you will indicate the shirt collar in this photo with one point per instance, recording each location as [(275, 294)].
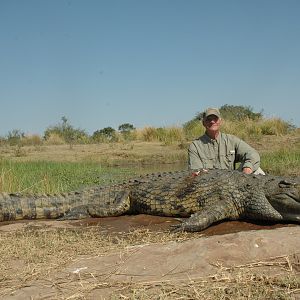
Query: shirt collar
[(212, 140)]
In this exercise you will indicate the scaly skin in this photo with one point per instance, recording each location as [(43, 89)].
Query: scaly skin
[(205, 199)]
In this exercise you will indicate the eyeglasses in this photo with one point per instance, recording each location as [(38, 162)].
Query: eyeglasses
[(211, 118)]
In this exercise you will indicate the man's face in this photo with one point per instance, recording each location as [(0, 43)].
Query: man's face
[(212, 123)]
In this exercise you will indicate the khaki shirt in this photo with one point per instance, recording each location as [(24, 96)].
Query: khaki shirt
[(222, 153)]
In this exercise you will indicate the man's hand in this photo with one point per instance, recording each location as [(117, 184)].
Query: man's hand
[(247, 170), (197, 173)]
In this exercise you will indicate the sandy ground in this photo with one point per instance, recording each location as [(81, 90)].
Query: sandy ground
[(217, 249)]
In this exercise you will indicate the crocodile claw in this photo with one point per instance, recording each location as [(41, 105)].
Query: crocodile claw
[(177, 227)]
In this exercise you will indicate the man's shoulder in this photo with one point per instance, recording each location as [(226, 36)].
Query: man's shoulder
[(201, 139), (228, 137)]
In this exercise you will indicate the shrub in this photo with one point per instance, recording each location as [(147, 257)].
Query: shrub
[(107, 134), (14, 137), (149, 134), (55, 139), (67, 132), (32, 140), (276, 126)]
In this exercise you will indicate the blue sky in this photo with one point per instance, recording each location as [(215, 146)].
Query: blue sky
[(148, 63)]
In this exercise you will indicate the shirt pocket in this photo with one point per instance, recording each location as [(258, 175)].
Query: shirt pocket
[(208, 161), (230, 156), (229, 159)]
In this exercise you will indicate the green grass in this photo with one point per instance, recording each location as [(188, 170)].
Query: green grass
[(282, 162), (53, 177)]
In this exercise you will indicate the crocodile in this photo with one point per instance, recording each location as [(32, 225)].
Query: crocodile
[(198, 201)]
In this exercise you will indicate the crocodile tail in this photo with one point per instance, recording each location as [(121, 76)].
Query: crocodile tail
[(19, 207)]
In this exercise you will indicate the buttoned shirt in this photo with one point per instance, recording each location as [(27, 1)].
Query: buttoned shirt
[(222, 153)]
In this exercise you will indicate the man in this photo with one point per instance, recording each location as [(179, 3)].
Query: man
[(217, 150)]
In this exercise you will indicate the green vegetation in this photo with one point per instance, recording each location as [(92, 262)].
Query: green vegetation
[(127, 131), (239, 113), (54, 177), (282, 161), (67, 132), (107, 134)]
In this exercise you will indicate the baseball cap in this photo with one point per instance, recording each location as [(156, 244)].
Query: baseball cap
[(211, 111)]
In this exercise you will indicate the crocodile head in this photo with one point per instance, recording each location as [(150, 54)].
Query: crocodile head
[(284, 196)]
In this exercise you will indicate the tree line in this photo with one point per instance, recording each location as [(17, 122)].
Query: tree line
[(65, 132)]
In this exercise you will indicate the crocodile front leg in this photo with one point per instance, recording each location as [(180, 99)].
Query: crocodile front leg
[(207, 216)]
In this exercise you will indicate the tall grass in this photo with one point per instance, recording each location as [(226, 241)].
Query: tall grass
[(54, 177), (166, 135), (193, 129), (246, 129), (255, 129)]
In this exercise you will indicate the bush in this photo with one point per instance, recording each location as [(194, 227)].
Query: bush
[(14, 137), (107, 134), (276, 126), (54, 139), (149, 134), (32, 140), (67, 132)]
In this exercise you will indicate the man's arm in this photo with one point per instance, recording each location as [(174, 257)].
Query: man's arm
[(194, 160), (248, 157)]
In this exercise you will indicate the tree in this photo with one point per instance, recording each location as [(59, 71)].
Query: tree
[(126, 130), (239, 112), (235, 113), (107, 134), (126, 127)]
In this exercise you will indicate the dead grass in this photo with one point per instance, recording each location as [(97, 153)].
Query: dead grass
[(235, 284), (109, 154), (35, 254)]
